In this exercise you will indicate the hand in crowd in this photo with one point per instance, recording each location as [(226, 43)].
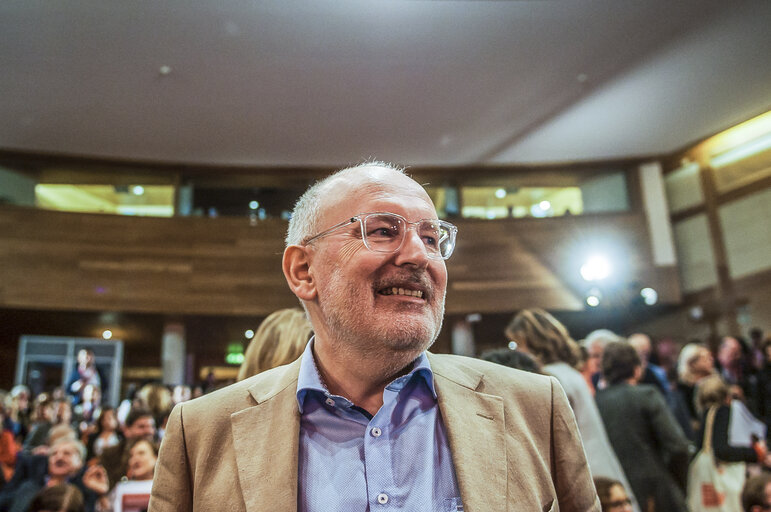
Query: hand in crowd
[(95, 478), (40, 450)]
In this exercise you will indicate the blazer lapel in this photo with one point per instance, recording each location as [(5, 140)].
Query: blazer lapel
[(476, 431), (266, 440)]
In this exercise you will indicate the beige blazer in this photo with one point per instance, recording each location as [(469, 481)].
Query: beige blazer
[(512, 435)]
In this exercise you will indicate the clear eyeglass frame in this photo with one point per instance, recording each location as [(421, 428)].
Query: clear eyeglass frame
[(445, 244)]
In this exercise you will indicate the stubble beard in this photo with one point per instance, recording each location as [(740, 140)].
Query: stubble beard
[(393, 338)]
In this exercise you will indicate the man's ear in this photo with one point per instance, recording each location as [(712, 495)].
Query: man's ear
[(296, 266)]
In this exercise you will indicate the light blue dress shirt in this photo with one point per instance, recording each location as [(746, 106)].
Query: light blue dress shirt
[(397, 460)]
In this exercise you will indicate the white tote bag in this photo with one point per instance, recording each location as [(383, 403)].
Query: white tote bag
[(714, 486)]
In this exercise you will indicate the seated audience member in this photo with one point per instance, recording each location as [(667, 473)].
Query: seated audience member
[(645, 435), (8, 448), (139, 424), (35, 462), (613, 496), (513, 359), (43, 414), (539, 334), (694, 363), (64, 465), (134, 489), (58, 498), (19, 411), (756, 496), (280, 339), (595, 343), (714, 393), (105, 435)]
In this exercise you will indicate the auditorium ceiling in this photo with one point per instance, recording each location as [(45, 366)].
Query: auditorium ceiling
[(427, 83)]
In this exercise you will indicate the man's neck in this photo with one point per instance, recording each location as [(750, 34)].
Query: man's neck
[(359, 378)]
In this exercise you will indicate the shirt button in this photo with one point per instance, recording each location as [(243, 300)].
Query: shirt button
[(375, 432), (330, 402), (382, 498)]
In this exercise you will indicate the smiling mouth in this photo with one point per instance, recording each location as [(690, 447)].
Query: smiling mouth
[(401, 291)]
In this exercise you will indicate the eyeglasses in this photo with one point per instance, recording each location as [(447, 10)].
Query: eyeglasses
[(385, 232), (619, 503)]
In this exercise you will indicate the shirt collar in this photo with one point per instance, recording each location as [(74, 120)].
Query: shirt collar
[(309, 379)]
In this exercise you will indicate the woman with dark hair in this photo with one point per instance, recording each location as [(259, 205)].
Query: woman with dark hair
[(59, 498), (106, 433), (134, 488), (643, 432), (613, 496), (539, 334)]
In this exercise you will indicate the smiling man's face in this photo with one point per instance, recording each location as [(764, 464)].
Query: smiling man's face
[(369, 299)]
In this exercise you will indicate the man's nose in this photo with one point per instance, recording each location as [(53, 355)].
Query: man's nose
[(413, 250)]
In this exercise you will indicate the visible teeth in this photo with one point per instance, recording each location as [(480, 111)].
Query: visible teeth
[(401, 291)]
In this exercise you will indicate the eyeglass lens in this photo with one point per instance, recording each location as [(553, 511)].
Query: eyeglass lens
[(385, 233)]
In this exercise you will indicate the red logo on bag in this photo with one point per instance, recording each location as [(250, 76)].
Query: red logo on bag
[(710, 497)]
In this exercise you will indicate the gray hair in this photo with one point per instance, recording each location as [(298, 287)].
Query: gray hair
[(304, 219), (601, 337), (74, 442)]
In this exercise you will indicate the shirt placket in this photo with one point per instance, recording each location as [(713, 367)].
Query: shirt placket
[(378, 456)]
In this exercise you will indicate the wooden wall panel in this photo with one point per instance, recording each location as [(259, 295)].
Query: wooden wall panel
[(192, 265)]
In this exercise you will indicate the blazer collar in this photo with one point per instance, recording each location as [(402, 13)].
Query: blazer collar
[(476, 431), (266, 441)]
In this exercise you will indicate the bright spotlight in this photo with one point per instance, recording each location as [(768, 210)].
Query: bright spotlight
[(138, 190), (544, 205), (500, 193), (537, 211), (249, 334), (253, 205), (107, 334), (650, 296), (596, 268), (593, 301)]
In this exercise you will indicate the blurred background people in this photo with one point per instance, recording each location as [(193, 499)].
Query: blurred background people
[(694, 363), (140, 424), (736, 369), (714, 395), (134, 488), (656, 376), (756, 495), (649, 443), (613, 496), (105, 435), (85, 373), (513, 359), (58, 498), (64, 465), (539, 334), (280, 339), (595, 343)]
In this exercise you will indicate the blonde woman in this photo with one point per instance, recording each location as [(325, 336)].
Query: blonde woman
[(539, 334), (694, 363), (281, 339)]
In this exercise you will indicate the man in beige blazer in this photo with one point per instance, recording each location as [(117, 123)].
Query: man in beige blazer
[(373, 286)]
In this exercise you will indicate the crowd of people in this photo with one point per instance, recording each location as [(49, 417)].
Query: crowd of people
[(641, 414)]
